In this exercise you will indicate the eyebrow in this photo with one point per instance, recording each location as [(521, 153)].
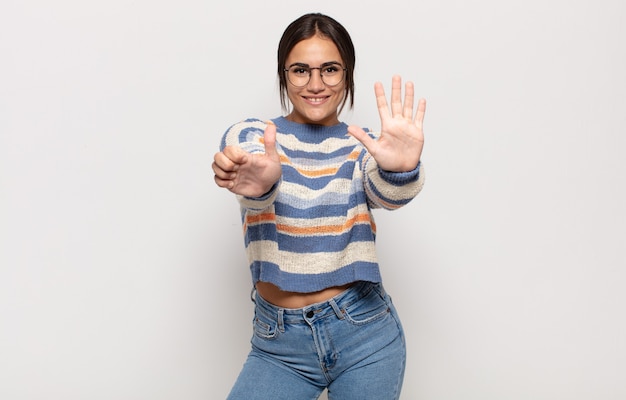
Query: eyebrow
[(327, 63)]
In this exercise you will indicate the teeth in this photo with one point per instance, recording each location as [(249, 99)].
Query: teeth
[(315, 99)]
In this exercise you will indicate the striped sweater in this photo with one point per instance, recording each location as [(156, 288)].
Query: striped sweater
[(315, 228)]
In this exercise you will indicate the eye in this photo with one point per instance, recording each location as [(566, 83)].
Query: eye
[(331, 69), (300, 71)]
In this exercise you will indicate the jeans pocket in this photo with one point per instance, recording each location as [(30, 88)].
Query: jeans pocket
[(372, 307), (264, 326)]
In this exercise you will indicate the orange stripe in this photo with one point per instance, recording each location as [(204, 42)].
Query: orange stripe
[(255, 219), (268, 217), (387, 205), (311, 230), (320, 172), (354, 155)]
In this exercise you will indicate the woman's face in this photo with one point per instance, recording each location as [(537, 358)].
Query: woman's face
[(315, 103)]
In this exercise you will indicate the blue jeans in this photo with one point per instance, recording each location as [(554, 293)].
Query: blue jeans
[(352, 344)]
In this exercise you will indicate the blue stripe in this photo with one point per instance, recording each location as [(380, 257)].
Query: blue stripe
[(395, 202), (340, 153), (330, 205), (322, 210), (288, 204), (310, 244), (306, 283), (290, 174)]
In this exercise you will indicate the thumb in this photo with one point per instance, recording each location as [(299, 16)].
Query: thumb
[(362, 136), (269, 140)]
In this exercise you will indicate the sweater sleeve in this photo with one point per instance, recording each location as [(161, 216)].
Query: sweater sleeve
[(391, 190), (260, 203)]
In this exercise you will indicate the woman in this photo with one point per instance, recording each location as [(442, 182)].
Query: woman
[(306, 184)]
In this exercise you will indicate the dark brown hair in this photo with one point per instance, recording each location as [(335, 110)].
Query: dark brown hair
[(306, 27)]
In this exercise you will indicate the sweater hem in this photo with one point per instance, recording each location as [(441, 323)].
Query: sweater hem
[(308, 283)]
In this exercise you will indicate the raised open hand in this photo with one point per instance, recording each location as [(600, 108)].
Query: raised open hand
[(247, 174), (399, 147)]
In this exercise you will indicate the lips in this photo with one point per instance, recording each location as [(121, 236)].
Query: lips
[(316, 100)]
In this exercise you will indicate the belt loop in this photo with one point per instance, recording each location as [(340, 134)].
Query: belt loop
[(281, 322), (336, 309), (253, 294)]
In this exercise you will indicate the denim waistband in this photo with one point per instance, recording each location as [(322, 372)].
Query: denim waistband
[(312, 312)]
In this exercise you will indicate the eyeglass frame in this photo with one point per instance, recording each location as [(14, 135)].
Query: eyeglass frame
[(326, 64)]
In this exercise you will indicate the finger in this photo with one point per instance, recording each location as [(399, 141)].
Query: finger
[(235, 154), (421, 111), (221, 173), (381, 100), (224, 183), (224, 163), (269, 141), (408, 100), (362, 136), (396, 95)]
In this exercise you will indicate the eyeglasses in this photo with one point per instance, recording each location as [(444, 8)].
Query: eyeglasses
[(331, 73)]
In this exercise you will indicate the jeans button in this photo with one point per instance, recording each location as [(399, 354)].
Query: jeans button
[(310, 314)]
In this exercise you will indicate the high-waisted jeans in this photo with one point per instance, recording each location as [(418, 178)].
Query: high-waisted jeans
[(352, 344)]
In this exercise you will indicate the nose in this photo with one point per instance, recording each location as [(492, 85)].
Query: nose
[(316, 84)]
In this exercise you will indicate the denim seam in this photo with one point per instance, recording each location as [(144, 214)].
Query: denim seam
[(281, 321)]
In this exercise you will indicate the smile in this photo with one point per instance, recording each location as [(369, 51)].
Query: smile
[(316, 100)]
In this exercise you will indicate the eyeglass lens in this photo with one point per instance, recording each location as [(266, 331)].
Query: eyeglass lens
[(300, 75)]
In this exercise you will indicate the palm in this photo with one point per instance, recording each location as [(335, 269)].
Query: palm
[(254, 176), (401, 140)]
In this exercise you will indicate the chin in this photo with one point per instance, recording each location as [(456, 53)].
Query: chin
[(322, 121), (321, 117)]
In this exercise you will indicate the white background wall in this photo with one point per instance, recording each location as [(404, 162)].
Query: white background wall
[(122, 272)]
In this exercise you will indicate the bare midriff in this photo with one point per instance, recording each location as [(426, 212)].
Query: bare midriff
[(281, 298)]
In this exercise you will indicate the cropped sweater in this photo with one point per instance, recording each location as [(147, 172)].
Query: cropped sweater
[(315, 228)]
